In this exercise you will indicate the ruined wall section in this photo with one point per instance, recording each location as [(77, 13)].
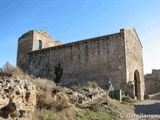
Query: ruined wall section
[(25, 43), (29, 42), (45, 38), (95, 59), (134, 60), (152, 80)]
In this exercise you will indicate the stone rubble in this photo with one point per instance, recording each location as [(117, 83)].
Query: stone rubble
[(17, 97), (90, 95)]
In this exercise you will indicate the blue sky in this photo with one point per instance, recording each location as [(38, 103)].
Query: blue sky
[(71, 20)]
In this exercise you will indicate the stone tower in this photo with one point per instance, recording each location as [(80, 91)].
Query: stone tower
[(31, 41)]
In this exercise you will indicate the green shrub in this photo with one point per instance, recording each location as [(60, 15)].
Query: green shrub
[(58, 73)]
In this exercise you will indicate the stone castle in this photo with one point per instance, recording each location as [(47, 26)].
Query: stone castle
[(116, 57)]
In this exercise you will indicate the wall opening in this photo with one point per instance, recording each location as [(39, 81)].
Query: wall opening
[(39, 44), (137, 84)]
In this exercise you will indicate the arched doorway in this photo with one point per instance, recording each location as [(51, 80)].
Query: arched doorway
[(39, 44), (137, 84)]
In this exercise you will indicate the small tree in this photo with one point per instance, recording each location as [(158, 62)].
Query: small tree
[(58, 72), (8, 68)]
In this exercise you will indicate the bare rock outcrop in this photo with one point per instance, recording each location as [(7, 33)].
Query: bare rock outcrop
[(17, 97), (87, 94)]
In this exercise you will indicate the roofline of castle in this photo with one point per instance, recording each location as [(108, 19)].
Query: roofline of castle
[(138, 37), (88, 40), (136, 34)]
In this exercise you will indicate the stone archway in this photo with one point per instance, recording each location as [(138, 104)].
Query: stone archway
[(137, 84)]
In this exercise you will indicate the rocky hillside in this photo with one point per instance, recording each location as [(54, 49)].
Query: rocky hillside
[(17, 97), (29, 98)]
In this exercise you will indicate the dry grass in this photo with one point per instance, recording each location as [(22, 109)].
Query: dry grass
[(46, 99), (95, 107), (127, 99), (44, 85), (92, 84), (78, 89), (66, 114), (43, 114), (50, 105)]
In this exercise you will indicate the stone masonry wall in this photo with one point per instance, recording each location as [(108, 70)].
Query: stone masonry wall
[(117, 57), (152, 82), (96, 59), (25, 43), (29, 42), (45, 38), (134, 58)]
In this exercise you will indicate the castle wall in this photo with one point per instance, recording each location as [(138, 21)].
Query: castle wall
[(152, 80), (96, 59), (25, 43), (117, 57), (134, 60), (44, 37), (29, 42)]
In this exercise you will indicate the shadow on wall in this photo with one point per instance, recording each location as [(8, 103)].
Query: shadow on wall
[(148, 109)]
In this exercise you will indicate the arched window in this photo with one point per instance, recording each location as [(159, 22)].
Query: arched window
[(39, 44)]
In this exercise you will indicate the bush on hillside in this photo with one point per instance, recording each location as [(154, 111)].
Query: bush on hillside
[(47, 98), (95, 107), (92, 84), (8, 68)]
